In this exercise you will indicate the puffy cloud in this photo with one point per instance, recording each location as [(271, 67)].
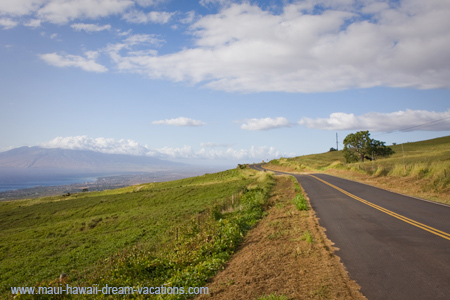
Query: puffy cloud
[(105, 145), (19, 7), (181, 121), (313, 46), (61, 12), (266, 123), (189, 18), (129, 42), (90, 27), (310, 46), (101, 144), (67, 60), (254, 153), (113, 50), (207, 3), (8, 23), (33, 23), (160, 17), (146, 3), (409, 120)]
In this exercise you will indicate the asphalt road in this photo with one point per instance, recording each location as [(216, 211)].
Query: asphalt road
[(393, 246)]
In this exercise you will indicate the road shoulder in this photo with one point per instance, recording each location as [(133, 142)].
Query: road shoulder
[(288, 254)]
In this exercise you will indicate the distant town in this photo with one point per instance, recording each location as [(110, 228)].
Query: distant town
[(102, 183)]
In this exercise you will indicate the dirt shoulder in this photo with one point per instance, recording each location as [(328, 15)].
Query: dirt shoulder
[(286, 254)]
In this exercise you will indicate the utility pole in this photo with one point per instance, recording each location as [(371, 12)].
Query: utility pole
[(404, 166), (337, 145)]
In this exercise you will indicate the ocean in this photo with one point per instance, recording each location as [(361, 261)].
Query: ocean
[(17, 183)]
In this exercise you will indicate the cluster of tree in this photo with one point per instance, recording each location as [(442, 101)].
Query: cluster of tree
[(359, 146)]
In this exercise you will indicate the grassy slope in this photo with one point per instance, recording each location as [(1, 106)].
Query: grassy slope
[(42, 238), (426, 172)]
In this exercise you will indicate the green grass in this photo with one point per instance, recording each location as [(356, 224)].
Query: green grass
[(129, 236), (300, 202), (273, 297), (307, 237)]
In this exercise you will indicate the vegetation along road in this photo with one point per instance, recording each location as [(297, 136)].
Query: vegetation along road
[(394, 246)]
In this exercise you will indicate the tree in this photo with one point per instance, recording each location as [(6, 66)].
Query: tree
[(359, 145), (380, 149)]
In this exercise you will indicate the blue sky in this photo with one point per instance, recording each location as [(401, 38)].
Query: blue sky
[(221, 82)]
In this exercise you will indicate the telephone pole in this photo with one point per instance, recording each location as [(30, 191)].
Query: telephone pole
[(337, 145)]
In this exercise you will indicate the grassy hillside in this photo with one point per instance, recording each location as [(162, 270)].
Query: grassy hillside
[(425, 171), (140, 235)]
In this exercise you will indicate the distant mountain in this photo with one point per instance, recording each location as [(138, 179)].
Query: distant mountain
[(80, 161)]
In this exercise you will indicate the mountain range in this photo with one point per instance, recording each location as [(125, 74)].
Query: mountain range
[(80, 161)]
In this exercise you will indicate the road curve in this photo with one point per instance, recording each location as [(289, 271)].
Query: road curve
[(393, 246)]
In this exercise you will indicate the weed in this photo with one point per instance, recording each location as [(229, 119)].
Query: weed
[(323, 291), (307, 237), (273, 297), (300, 202)]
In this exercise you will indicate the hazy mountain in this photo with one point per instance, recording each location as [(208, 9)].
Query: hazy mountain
[(80, 161)]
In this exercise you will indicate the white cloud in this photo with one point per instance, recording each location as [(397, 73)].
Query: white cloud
[(91, 54), (19, 7), (146, 3), (123, 33), (409, 120), (245, 48), (63, 11), (160, 17), (243, 155), (67, 60), (207, 3), (181, 121), (266, 123), (33, 23), (60, 12), (90, 27), (113, 50), (190, 17), (101, 144), (112, 146), (8, 23)]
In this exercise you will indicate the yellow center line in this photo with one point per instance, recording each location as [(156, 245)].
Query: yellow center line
[(435, 231)]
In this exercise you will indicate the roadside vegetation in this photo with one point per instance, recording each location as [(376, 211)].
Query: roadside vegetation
[(176, 234), (419, 169), (286, 256)]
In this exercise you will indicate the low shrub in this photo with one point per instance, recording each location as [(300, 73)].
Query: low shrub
[(300, 202)]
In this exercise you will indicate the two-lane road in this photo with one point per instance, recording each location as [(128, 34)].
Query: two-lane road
[(393, 246)]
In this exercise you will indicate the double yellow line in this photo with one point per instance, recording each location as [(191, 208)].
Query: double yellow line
[(435, 231)]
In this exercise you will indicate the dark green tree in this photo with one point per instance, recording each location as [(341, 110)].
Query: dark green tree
[(359, 145), (380, 149)]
